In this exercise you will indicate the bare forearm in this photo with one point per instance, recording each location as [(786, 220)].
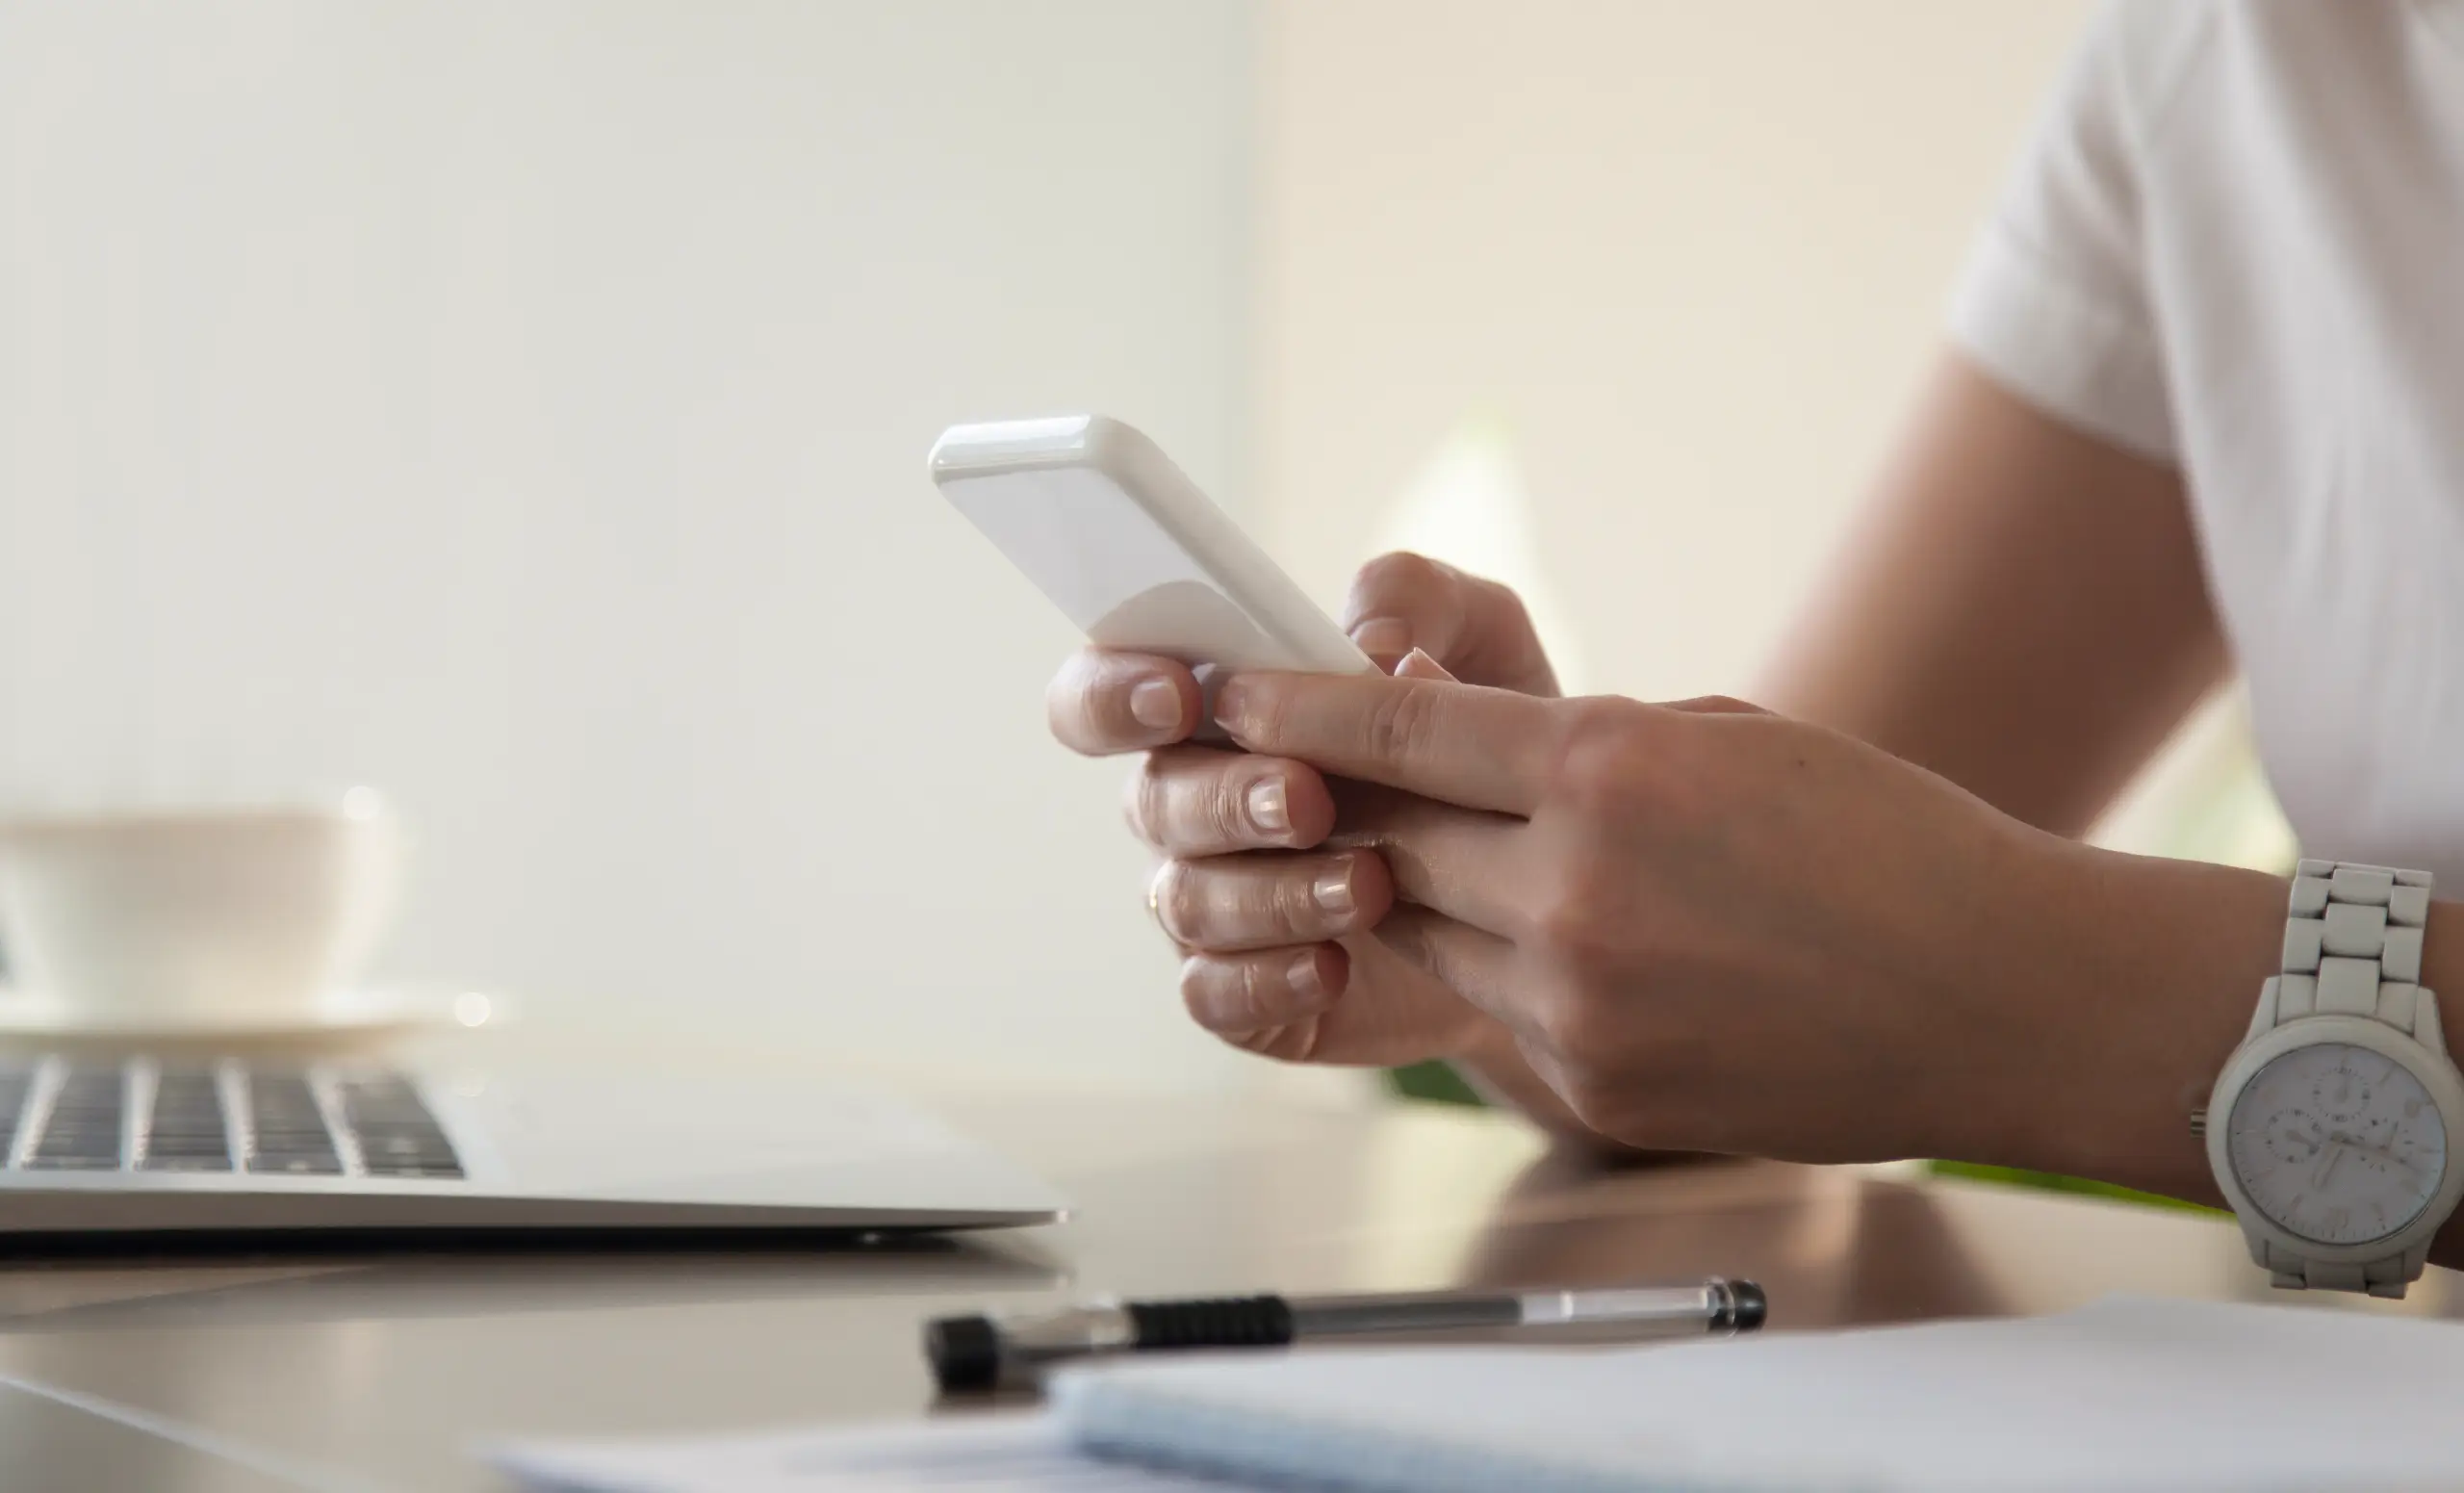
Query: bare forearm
[(2138, 975), (2146, 978), (2021, 609)]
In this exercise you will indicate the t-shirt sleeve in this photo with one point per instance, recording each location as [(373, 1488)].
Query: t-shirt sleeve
[(2054, 301)]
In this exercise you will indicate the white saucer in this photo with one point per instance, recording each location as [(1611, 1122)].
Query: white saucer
[(359, 1014)]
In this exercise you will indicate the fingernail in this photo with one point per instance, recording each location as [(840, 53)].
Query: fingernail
[(1155, 704), (1227, 703), (1303, 976), (1418, 664), (1382, 638), (1332, 891), (1268, 808)]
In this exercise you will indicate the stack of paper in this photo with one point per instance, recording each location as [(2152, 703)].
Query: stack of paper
[(2122, 1395)]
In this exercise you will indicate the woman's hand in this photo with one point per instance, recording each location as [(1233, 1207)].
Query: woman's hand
[(1275, 920), (1712, 928)]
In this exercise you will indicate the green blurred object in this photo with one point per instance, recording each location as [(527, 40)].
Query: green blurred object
[(1437, 1083), (2055, 1183), (1434, 1083)]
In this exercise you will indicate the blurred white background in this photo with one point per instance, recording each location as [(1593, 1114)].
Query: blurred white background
[(1684, 261), (523, 409), (520, 408)]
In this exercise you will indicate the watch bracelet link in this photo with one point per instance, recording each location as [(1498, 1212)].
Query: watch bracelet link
[(2352, 943), (2352, 946), (2385, 1277)]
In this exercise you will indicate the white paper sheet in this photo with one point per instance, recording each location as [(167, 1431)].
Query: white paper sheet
[(2122, 1395), (2125, 1395), (1004, 1454)]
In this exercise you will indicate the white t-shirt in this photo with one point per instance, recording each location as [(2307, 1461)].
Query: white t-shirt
[(2237, 244)]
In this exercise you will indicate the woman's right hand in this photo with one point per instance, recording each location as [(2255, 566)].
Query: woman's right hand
[(1278, 929)]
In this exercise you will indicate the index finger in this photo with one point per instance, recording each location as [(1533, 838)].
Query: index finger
[(1462, 744)]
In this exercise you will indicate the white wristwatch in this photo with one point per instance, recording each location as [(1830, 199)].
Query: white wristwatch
[(2337, 1130)]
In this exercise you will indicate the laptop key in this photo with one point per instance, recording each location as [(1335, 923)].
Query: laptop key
[(287, 1134), (14, 1085), (397, 1136), (83, 1130), (185, 1131)]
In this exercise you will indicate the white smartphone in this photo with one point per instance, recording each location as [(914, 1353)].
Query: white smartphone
[(1101, 520)]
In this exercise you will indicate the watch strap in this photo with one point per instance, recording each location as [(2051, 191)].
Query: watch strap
[(2352, 946), (2352, 942), (2387, 1276)]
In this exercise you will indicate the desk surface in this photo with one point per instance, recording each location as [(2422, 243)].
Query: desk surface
[(382, 1372)]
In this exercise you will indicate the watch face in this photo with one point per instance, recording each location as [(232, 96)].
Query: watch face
[(2337, 1144)]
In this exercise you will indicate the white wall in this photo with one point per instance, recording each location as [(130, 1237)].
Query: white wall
[(522, 407), (1690, 255)]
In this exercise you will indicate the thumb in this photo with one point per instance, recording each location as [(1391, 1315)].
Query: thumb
[(1477, 628), (1418, 664)]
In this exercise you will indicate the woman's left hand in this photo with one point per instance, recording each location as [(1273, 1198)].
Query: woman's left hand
[(1707, 927)]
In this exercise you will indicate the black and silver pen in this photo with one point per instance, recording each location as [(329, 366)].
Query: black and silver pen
[(983, 1351)]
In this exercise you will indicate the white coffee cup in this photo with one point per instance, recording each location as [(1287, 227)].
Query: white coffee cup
[(196, 914)]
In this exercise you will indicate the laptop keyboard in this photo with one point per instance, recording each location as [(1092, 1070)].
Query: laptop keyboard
[(142, 1115)]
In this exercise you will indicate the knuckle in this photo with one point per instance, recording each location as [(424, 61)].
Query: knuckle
[(1185, 803), (1593, 1087), (1264, 714), (1399, 574), (1570, 1025), (1251, 1001), (1229, 906), (1511, 604), (1406, 938), (1567, 929), (1402, 725), (1582, 918), (1219, 809), (1509, 607), (1605, 769), (1601, 1105)]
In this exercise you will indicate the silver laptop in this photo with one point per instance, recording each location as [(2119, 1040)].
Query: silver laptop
[(174, 1145)]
